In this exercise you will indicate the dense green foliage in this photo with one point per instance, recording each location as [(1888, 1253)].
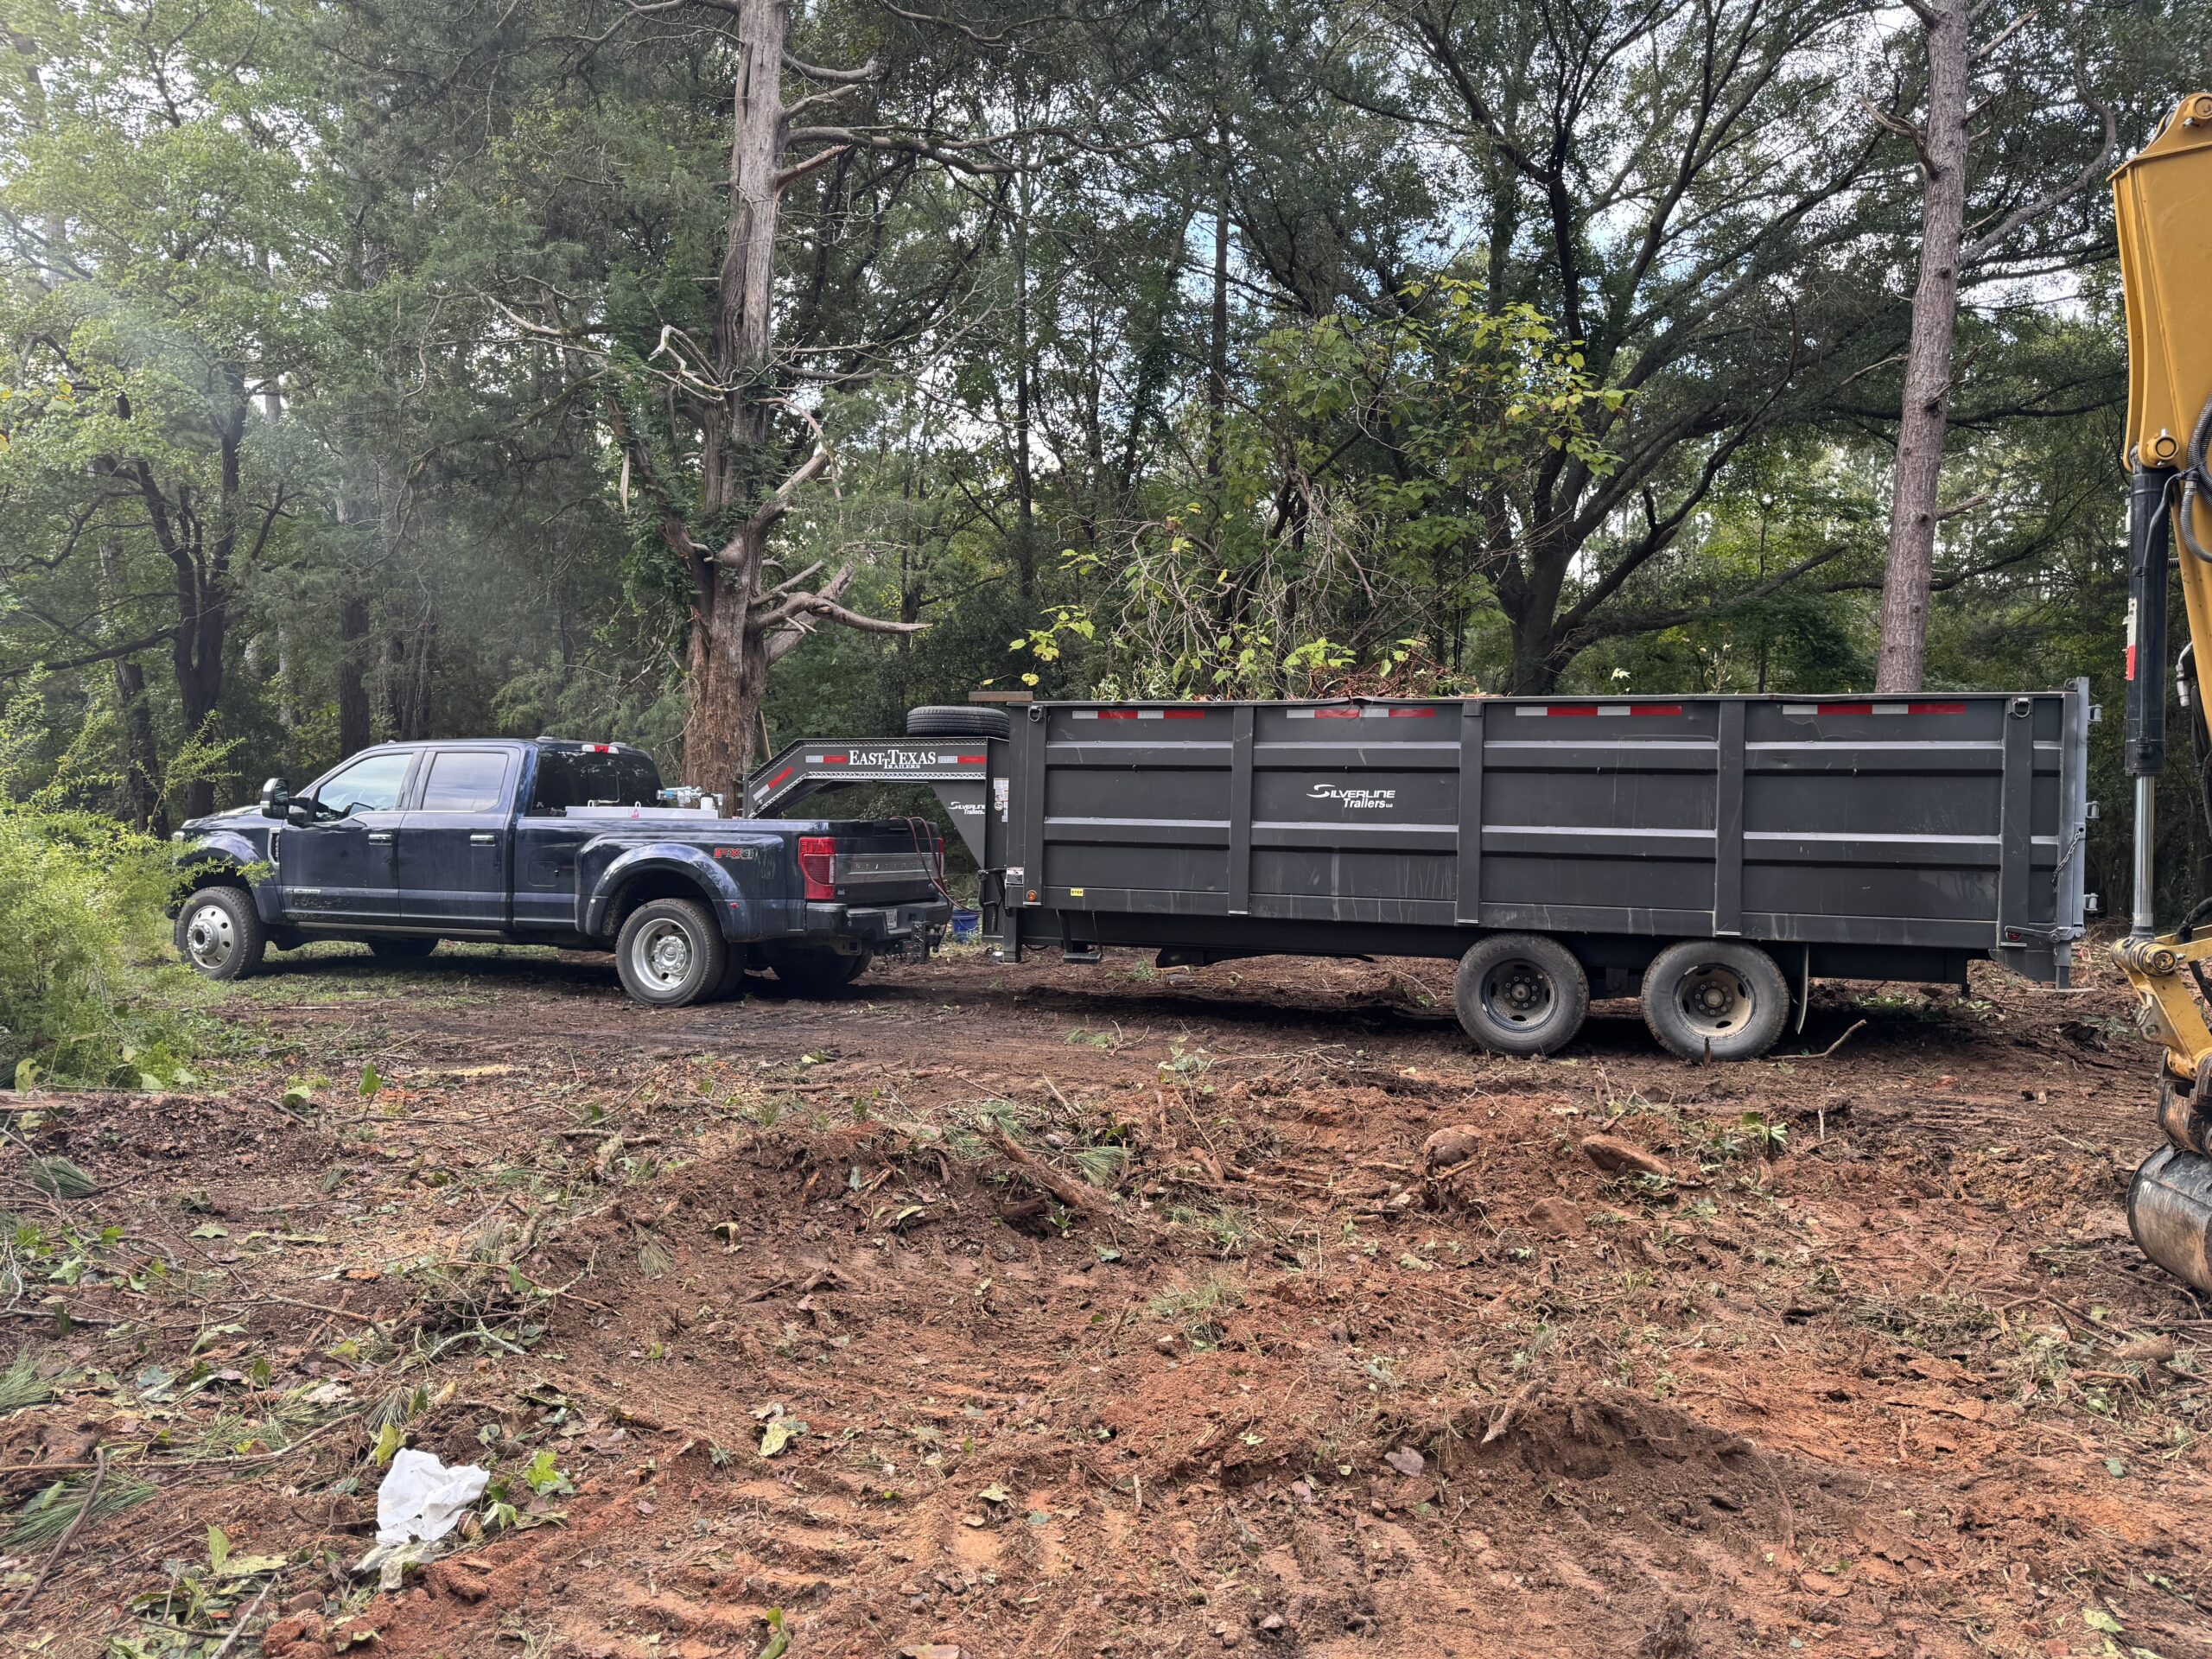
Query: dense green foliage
[(79, 901), (1253, 348)]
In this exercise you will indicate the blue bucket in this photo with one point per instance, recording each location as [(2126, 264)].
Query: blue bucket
[(967, 926)]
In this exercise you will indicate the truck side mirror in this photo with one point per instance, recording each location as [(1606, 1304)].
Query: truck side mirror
[(275, 799)]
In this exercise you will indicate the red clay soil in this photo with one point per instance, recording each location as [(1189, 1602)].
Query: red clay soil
[(1216, 1357)]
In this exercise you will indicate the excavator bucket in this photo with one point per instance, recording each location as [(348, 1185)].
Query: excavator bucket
[(2162, 199)]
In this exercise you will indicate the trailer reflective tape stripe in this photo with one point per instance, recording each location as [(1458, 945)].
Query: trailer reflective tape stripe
[(1804, 708), (1616, 710), (781, 776), (970, 760), (1370, 712)]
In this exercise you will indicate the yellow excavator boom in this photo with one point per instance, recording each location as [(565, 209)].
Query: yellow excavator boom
[(2162, 201)]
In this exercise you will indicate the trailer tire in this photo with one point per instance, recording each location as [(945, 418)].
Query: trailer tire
[(820, 972), (1715, 995), (401, 947), (220, 933), (669, 953), (958, 721), (1521, 994)]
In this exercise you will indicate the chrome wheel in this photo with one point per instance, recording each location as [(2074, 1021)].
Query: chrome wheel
[(210, 937), (1518, 992), (661, 954), (1715, 999)]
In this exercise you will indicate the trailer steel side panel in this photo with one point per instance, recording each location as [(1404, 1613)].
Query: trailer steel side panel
[(1948, 827)]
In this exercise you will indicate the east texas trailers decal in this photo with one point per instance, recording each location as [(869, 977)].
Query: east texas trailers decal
[(895, 760), (921, 762)]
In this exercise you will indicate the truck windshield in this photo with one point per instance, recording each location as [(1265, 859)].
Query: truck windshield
[(569, 777)]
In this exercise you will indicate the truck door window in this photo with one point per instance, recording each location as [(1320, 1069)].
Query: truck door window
[(370, 784), (465, 780)]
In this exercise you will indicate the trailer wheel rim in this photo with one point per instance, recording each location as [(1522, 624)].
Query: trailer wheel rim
[(1715, 1000), (210, 937), (661, 954), (1519, 992)]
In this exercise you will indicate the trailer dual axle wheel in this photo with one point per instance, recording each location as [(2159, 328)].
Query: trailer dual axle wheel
[(1521, 994), (1715, 997)]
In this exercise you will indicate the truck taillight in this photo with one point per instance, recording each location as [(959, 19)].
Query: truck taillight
[(817, 858)]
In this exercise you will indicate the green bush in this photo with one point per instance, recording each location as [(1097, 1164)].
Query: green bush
[(80, 910)]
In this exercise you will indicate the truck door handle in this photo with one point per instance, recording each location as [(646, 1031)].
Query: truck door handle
[(379, 837), (485, 838)]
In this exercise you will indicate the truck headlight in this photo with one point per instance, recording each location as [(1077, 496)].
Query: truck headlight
[(176, 835)]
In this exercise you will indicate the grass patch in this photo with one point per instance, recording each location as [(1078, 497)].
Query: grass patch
[(24, 1384), (41, 1522), (1195, 1309)]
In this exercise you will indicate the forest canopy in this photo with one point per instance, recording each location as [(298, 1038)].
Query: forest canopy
[(709, 373)]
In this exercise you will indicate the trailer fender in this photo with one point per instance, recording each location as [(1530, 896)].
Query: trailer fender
[(665, 863)]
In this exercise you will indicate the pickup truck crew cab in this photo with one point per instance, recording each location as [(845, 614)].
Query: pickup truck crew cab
[(557, 842)]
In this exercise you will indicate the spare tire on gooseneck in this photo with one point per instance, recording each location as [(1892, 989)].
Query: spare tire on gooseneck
[(958, 721)]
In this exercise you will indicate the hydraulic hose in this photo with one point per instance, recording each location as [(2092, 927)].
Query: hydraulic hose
[(2195, 477)]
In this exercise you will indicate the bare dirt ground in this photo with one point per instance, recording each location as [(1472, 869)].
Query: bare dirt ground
[(1050, 1310)]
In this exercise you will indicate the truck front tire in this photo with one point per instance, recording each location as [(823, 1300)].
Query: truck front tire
[(220, 934), (1521, 994), (669, 953), (1715, 996)]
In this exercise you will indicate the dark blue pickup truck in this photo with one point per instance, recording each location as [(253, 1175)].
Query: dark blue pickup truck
[(555, 842)]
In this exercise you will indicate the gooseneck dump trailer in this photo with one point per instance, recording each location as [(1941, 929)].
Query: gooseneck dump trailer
[(1714, 854)]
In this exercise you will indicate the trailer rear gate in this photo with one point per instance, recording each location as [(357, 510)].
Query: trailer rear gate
[(1891, 836)]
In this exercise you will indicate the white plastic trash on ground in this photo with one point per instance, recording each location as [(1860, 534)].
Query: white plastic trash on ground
[(422, 1500)]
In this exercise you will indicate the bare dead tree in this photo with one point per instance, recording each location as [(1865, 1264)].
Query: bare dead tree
[(735, 390)]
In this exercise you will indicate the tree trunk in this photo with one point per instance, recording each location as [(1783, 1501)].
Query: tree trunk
[(729, 674), (1025, 479), (404, 678), (138, 792), (196, 650), (1913, 510), (1217, 340), (726, 655), (354, 732), (288, 691), (138, 796)]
